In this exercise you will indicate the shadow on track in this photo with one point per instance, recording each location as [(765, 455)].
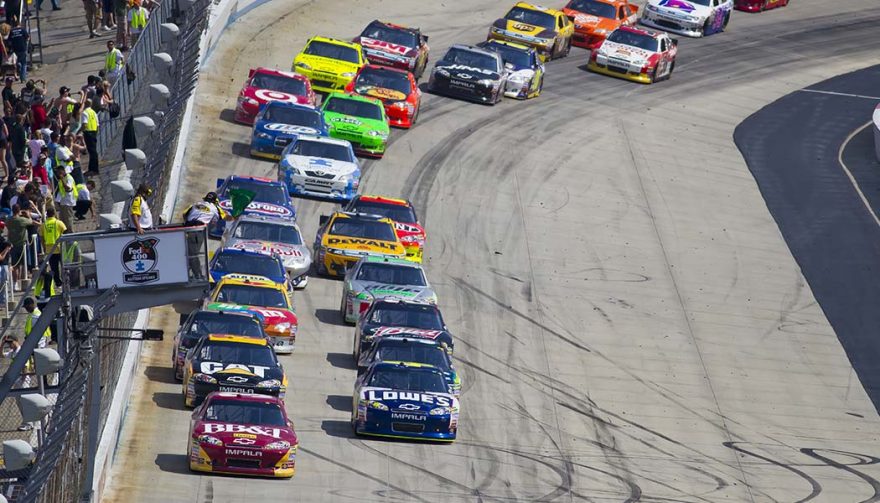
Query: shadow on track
[(172, 463), (339, 402), (160, 374), (341, 361), (173, 401), (330, 316)]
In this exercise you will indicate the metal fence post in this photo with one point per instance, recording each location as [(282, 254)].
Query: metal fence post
[(94, 421)]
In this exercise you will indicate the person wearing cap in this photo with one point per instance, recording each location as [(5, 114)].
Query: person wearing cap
[(137, 20), (17, 227), (40, 170), (114, 62), (39, 117), (139, 216), (65, 195), (64, 104), (35, 145), (33, 316), (205, 211), (90, 135)]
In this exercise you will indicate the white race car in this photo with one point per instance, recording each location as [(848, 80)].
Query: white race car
[(693, 18), (317, 166), (272, 235)]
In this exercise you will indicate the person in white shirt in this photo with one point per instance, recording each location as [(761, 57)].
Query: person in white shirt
[(36, 144), (84, 200), (139, 216)]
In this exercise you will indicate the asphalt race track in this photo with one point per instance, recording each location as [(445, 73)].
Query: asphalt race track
[(631, 325)]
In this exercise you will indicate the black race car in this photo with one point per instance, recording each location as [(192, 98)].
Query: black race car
[(420, 351), (202, 322), (394, 317), (471, 73)]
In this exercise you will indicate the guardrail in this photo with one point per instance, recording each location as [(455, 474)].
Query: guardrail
[(877, 132)]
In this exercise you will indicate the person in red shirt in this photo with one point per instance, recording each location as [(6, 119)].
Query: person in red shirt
[(39, 116), (39, 171)]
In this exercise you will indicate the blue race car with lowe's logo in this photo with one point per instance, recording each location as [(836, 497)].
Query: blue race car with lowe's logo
[(234, 261), (404, 400), (270, 199), (279, 123)]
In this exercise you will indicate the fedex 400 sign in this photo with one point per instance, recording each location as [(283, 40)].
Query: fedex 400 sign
[(131, 260)]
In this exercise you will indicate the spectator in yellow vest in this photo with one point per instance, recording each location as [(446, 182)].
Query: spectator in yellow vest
[(90, 135), (137, 20), (65, 195), (50, 231), (114, 62), (30, 305)]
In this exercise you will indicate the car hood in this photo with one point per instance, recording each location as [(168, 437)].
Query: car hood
[(288, 129), (626, 52), (380, 93), (244, 435), (328, 65), (267, 95), (364, 245), (524, 74), (217, 275), (344, 122), (468, 73), (589, 22), (524, 28), (681, 7), (418, 401), (270, 315), (382, 46), (285, 251), (380, 290), (407, 231), (419, 333), (259, 208), (319, 164)]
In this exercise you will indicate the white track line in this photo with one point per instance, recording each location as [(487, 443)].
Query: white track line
[(839, 94), (852, 179)]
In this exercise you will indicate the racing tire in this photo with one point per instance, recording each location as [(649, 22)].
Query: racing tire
[(671, 69), (707, 27), (726, 20), (654, 74), (567, 47)]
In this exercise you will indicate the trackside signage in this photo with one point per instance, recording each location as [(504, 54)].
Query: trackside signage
[(149, 259)]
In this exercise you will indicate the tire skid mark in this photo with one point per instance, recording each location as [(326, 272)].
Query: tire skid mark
[(871, 481), (815, 487)]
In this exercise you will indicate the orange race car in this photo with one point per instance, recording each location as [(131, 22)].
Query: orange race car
[(595, 19)]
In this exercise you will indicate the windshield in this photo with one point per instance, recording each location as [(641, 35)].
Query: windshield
[(645, 42), (278, 83), (409, 379), (471, 59), (395, 212), (246, 295), (355, 108), (238, 352), (424, 317), (701, 2), (391, 274), (246, 263), (332, 51), (387, 79), (309, 148), (399, 351), (272, 194), (240, 412), (294, 116), (532, 17), (379, 31), (206, 322), (516, 57), (275, 233), (593, 7), (367, 229)]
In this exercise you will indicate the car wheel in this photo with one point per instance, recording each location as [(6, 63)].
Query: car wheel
[(567, 47), (540, 86), (415, 116), (707, 27), (726, 20), (654, 74), (671, 69)]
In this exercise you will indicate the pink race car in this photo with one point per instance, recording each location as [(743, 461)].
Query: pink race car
[(268, 84), (242, 434), (759, 5)]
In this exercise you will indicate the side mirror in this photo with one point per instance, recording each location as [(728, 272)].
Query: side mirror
[(509, 67), (323, 219), (424, 39), (219, 182), (570, 18)]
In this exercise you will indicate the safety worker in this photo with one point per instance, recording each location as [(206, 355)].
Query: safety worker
[(30, 305), (65, 195), (114, 62), (137, 20), (90, 135), (206, 211), (50, 231), (139, 216)]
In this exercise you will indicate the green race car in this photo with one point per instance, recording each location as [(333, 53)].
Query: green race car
[(358, 119)]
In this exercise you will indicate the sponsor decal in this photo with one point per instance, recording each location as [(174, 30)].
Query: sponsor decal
[(428, 334), (381, 44), (408, 417), (232, 389), (522, 27), (402, 227), (258, 207), (347, 120), (290, 128), (678, 4), (413, 396), (140, 258), (384, 93), (244, 435), (240, 428), (269, 95), (244, 441), (360, 242), (212, 367), (392, 290), (268, 248), (468, 69), (586, 19), (409, 406), (464, 76), (237, 379), (253, 453)]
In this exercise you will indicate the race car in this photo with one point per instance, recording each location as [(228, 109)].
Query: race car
[(270, 300), (274, 235), (693, 18), (396, 89), (270, 199), (635, 54), (278, 124), (200, 323), (393, 317), (324, 168), (758, 5), (595, 19), (359, 120), (242, 434), (221, 362), (471, 73), (403, 349), (549, 31), (395, 46), (266, 85), (404, 400), (406, 224), (258, 263), (343, 238), (527, 73), (330, 64), (372, 278)]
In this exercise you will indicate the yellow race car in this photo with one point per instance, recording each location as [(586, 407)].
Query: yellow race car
[(330, 64), (269, 300), (549, 31), (345, 237)]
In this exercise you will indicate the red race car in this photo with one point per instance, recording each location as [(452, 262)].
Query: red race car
[(406, 224), (396, 46), (758, 5), (242, 434), (397, 89), (268, 84)]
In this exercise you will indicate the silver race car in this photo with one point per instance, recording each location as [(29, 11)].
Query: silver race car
[(372, 278), (275, 235)]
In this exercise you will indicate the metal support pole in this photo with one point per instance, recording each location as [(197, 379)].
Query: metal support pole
[(94, 420), (28, 346)]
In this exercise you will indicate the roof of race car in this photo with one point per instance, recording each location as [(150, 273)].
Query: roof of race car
[(352, 97), (409, 365), (369, 198), (239, 251), (391, 261), (396, 26), (335, 41), (529, 6), (323, 139), (253, 217), (512, 45), (642, 31), (214, 312), (287, 104), (249, 280), (280, 73), (245, 397), (383, 68), (474, 48), (383, 341), (258, 179), (237, 339), (404, 302), (361, 216)]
